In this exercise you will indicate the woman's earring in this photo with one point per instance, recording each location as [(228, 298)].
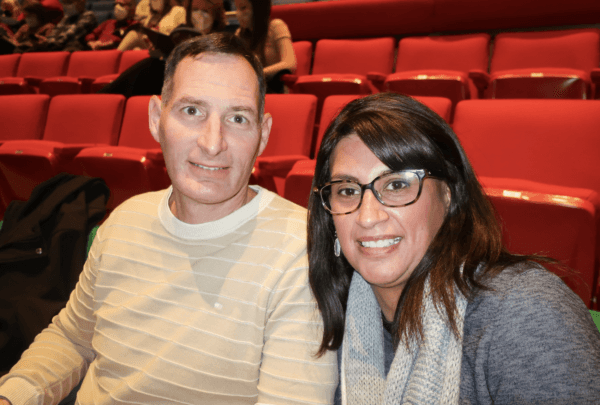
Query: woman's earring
[(337, 249)]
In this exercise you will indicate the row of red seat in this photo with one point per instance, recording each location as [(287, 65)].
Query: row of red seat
[(539, 163), (551, 64), (537, 158), (56, 73)]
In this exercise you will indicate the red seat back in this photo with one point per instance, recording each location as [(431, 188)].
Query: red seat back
[(303, 51), (93, 63), (548, 141), (23, 116), (135, 131), (575, 49), (43, 64), (85, 118), (293, 123), (8, 65), (130, 58), (358, 56), (450, 52)]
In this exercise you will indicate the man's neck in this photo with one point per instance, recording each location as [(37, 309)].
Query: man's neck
[(192, 212)]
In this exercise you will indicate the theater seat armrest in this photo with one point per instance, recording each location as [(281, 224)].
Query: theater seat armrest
[(377, 79), (84, 79), (68, 152), (595, 75), (289, 79), (278, 166), (156, 155), (480, 78), (34, 81)]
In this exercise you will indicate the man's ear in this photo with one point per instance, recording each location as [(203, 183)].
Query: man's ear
[(265, 131), (154, 111)]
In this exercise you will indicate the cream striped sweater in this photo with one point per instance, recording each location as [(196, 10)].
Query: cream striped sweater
[(172, 313)]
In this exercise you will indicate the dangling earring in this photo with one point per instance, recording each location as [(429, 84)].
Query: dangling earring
[(337, 249)]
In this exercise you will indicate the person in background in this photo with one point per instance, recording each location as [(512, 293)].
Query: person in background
[(69, 34), (164, 16), (35, 30), (421, 300), (147, 76), (197, 294), (270, 39), (109, 34)]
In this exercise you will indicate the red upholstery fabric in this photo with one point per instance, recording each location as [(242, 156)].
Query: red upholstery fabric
[(128, 168), (23, 116), (546, 141), (35, 67), (334, 104), (128, 59), (341, 67), (439, 65), (548, 55), (74, 121), (84, 68), (8, 65), (290, 138), (303, 51), (550, 220), (298, 182)]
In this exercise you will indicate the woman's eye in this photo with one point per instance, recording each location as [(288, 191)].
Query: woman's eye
[(191, 111), (396, 185), (348, 192)]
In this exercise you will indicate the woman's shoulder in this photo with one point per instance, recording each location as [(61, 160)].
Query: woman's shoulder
[(278, 29)]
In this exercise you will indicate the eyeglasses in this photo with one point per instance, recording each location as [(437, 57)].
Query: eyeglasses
[(396, 189)]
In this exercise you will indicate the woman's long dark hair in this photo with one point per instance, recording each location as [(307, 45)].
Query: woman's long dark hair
[(404, 133), (257, 36)]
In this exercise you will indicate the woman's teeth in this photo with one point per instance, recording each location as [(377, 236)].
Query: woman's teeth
[(380, 243), (207, 168)]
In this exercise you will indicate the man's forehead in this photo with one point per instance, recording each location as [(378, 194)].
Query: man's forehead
[(231, 74)]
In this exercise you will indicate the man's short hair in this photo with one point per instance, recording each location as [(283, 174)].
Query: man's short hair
[(223, 43)]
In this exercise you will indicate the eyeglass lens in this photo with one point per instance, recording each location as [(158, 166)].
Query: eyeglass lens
[(394, 189)]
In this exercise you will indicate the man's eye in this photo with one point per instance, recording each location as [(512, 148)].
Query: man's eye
[(191, 111), (239, 119)]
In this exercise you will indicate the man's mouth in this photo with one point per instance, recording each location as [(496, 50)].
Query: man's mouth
[(208, 168), (380, 243)]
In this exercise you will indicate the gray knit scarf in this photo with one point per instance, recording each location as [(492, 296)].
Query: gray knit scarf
[(425, 374)]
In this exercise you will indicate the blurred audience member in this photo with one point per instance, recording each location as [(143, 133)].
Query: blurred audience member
[(270, 40), (142, 10), (10, 8), (69, 34), (164, 16), (35, 30), (109, 34)]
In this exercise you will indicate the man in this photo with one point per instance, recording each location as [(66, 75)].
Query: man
[(109, 34), (197, 294)]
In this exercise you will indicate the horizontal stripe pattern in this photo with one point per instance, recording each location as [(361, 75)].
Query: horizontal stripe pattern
[(160, 318)]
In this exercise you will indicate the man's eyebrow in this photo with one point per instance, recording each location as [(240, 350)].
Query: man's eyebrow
[(242, 108), (190, 100)]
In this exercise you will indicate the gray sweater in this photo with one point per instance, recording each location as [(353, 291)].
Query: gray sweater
[(530, 341)]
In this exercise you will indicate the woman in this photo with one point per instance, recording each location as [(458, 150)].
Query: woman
[(36, 28), (164, 16), (417, 292), (269, 39)]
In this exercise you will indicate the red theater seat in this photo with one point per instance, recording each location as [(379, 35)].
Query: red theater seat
[(33, 68), (290, 138), (135, 165), (551, 220), (8, 65), (74, 122), (84, 68), (128, 59), (23, 116), (548, 64), (438, 66), (341, 67), (303, 51), (546, 141)]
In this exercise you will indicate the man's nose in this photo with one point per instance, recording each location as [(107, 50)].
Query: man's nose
[(211, 139), (371, 211)]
